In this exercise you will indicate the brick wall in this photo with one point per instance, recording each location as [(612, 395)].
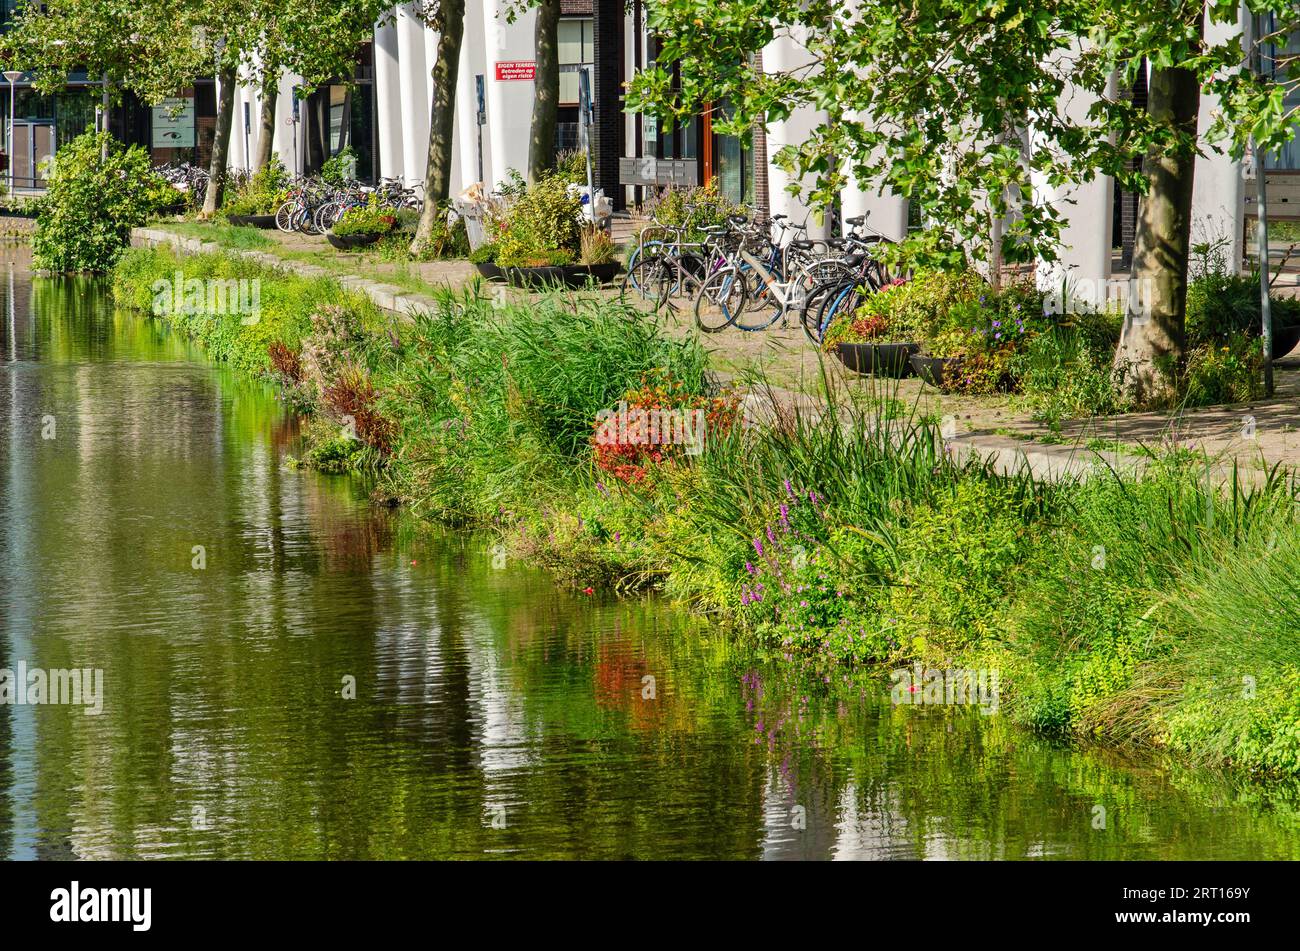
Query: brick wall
[(607, 146)]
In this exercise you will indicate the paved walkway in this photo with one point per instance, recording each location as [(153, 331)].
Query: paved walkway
[(1257, 436)]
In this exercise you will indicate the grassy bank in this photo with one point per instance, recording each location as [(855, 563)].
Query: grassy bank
[(1148, 610)]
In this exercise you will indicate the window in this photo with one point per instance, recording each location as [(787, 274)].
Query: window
[(576, 50)]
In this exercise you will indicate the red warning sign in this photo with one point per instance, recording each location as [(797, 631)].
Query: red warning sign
[(516, 69)]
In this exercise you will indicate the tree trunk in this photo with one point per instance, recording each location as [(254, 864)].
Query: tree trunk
[(226, 80), (1151, 350), (541, 142), (437, 174), (266, 124)]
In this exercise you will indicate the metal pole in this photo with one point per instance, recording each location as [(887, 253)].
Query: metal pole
[(11, 138), (1261, 228)]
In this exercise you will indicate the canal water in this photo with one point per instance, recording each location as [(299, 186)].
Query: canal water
[(288, 672)]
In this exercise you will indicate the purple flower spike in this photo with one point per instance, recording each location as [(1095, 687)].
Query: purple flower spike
[(758, 546)]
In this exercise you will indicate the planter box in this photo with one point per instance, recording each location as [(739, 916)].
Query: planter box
[(878, 359), (490, 270), (252, 221), (1284, 340), (350, 242), (568, 275), (933, 370)]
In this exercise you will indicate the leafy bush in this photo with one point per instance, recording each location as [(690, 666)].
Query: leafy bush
[(370, 218), (86, 216), (485, 253), (261, 194), (541, 227), (339, 168), (695, 208), (1067, 370)]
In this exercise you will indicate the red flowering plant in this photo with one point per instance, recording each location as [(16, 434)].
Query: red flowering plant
[(658, 423)]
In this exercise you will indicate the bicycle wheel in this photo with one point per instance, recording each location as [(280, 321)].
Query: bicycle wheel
[(721, 300), (815, 305), (648, 279), (327, 215), (762, 308), (284, 216)]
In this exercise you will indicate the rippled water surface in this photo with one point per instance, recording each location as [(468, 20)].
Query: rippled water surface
[(494, 714)]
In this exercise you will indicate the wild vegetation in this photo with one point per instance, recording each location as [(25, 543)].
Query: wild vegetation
[(1147, 610)]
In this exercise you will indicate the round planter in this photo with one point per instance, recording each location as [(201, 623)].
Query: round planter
[(252, 221), (350, 242), (535, 277), (603, 273), (1285, 340), (933, 370), (878, 359), (490, 270)]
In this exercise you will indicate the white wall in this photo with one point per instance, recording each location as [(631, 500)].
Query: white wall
[(1217, 186), (784, 53)]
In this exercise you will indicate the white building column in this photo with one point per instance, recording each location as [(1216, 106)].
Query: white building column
[(388, 101), (784, 53), (1217, 186), (509, 102), (1088, 212), (414, 86), (472, 64), (886, 211), (286, 131)]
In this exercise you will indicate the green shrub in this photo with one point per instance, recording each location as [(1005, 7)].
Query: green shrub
[(541, 226), (261, 194), (695, 208), (485, 253), (338, 169), (86, 216), (370, 218), (1067, 371)]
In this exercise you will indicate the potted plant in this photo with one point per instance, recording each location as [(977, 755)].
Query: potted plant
[(361, 226), (254, 202), (538, 236), (864, 343), (596, 254), (941, 364), (484, 259)]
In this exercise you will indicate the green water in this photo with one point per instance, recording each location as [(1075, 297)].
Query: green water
[(495, 715)]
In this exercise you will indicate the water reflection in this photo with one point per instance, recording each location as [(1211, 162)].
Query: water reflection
[(493, 715)]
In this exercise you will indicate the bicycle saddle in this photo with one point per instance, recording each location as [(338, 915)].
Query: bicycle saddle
[(856, 220), (802, 244)]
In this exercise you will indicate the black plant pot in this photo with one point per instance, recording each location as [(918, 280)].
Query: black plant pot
[(350, 242), (1285, 340), (490, 270), (934, 370), (568, 275), (878, 359), (252, 221)]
